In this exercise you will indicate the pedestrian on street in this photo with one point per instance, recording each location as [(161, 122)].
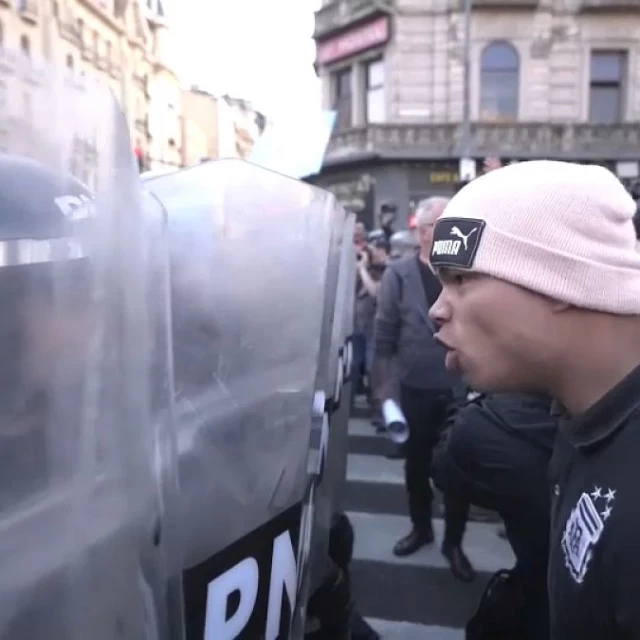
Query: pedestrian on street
[(404, 332), (541, 293)]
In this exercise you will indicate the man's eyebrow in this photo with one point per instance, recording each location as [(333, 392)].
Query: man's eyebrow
[(450, 272)]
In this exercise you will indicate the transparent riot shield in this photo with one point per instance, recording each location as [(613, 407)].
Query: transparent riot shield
[(249, 276), (342, 405), (87, 475), (333, 441)]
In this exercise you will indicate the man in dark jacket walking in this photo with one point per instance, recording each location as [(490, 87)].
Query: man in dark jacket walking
[(404, 333)]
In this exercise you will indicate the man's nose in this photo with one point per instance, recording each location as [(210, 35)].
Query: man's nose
[(439, 312)]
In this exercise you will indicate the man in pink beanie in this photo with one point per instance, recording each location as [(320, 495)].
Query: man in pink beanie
[(541, 293)]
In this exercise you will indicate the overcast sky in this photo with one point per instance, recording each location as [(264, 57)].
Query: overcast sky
[(260, 50)]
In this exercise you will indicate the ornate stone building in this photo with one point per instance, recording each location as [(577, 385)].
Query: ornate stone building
[(219, 126), (548, 79), (122, 43)]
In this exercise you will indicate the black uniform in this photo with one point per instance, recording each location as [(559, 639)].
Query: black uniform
[(594, 567)]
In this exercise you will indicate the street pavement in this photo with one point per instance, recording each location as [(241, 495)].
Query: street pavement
[(413, 598)]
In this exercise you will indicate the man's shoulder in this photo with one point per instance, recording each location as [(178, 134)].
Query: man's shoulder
[(402, 265)]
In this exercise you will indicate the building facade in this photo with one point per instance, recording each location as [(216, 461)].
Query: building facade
[(218, 126), (119, 42), (547, 79), (165, 117)]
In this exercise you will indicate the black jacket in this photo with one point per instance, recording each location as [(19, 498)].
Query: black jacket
[(403, 330), (495, 453)]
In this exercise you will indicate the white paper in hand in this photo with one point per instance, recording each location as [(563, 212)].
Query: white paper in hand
[(395, 421)]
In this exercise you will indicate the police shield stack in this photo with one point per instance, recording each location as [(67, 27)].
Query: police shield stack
[(254, 269), (87, 482), (329, 451)]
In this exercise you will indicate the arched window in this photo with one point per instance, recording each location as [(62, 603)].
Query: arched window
[(499, 82), (25, 45), (69, 61)]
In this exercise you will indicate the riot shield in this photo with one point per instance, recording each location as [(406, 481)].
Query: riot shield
[(87, 474), (249, 255), (333, 443), (341, 411)]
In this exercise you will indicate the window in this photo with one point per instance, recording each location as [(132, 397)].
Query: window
[(607, 86), (3, 93), (109, 51), (342, 104), (55, 10), (69, 61), (80, 29), (96, 43), (1, 34), (25, 45), (499, 82), (375, 111)]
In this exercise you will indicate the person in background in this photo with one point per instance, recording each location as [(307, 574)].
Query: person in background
[(404, 243), (371, 266), (372, 253), (360, 236), (388, 215), (359, 341), (405, 347), (491, 163)]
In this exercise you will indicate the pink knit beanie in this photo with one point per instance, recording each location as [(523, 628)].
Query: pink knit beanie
[(561, 229)]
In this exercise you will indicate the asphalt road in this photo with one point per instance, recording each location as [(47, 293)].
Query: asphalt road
[(414, 598)]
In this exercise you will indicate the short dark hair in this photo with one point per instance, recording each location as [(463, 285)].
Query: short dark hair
[(460, 185)]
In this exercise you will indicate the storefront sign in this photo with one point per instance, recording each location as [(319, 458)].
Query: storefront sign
[(355, 194), (443, 177), (365, 37)]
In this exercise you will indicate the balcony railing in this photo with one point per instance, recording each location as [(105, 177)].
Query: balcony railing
[(102, 62), (504, 4), (517, 140), (28, 10), (115, 69), (70, 32), (88, 54), (610, 5), (105, 13), (341, 13)]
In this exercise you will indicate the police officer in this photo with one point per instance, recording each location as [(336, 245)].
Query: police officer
[(247, 331), (541, 292), (84, 537)]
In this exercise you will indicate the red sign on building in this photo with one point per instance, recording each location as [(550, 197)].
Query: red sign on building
[(359, 39)]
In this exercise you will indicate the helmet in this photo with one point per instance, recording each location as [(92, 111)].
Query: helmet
[(39, 250), (39, 208), (86, 471)]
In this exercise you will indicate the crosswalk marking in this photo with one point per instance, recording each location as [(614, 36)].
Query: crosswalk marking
[(410, 631), (365, 468), (376, 534), (416, 597)]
